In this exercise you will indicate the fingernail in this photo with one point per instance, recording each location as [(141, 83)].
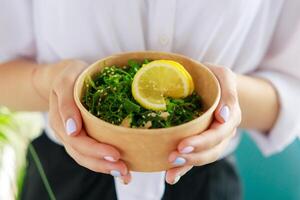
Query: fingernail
[(121, 180), (176, 180), (70, 126), (187, 149), (179, 161), (115, 173), (224, 113), (109, 158)]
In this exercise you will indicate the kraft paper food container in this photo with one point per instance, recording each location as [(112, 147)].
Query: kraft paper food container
[(147, 150)]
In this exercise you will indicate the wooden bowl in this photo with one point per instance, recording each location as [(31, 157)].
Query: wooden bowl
[(147, 150)]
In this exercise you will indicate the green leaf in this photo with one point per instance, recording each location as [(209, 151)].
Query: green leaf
[(96, 97), (133, 64), (177, 101), (41, 171), (131, 107), (146, 61), (2, 137), (91, 82)]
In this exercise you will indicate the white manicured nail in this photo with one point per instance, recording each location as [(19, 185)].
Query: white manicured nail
[(179, 161), (187, 149), (109, 158), (121, 180), (176, 180), (70, 126), (225, 113), (115, 173)]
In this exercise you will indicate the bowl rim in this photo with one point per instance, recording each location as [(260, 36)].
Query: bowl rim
[(80, 106)]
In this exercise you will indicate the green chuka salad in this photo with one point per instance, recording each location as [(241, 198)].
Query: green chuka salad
[(108, 96)]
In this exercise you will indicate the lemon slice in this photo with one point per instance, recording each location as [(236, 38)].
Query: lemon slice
[(180, 67), (159, 79)]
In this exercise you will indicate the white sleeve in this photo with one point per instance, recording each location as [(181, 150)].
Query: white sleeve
[(16, 29), (281, 66)]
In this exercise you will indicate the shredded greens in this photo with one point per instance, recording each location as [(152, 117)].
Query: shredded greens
[(108, 97)]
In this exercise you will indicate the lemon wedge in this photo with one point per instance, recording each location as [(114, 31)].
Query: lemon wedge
[(160, 79)]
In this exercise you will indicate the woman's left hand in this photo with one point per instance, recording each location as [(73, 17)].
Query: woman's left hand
[(209, 145)]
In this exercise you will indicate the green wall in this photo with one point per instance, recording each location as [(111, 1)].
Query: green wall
[(275, 178)]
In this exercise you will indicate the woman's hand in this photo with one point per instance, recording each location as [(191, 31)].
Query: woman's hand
[(65, 119), (209, 145)]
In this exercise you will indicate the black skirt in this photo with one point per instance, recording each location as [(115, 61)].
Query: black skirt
[(69, 181)]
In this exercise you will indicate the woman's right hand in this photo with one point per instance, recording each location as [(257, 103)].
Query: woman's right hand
[(65, 119)]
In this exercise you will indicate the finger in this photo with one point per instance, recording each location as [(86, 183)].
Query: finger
[(90, 147), (63, 88), (229, 96), (125, 179), (207, 139), (91, 156), (173, 175), (116, 169), (199, 158), (81, 143)]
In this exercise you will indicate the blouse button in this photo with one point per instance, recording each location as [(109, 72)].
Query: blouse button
[(163, 39)]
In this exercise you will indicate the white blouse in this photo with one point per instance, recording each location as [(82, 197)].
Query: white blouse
[(257, 37)]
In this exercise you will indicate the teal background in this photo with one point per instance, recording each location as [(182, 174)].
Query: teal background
[(275, 178)]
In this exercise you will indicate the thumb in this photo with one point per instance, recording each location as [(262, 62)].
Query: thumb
[(69, 113), (229, 96), (222, 113)]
